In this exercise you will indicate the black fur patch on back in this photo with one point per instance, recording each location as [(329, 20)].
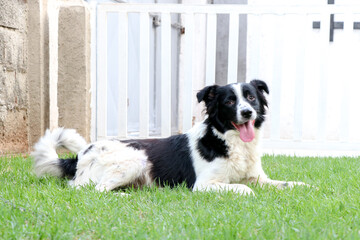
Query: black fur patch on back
[(171, 159), (138, 145), (211, 147), (68, 166)]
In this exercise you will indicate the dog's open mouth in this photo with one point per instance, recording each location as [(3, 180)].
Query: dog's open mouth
[(246, 130)]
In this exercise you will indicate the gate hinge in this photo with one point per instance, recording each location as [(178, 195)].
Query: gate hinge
[(157, 23)]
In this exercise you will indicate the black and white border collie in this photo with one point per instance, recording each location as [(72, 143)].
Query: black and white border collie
[(219, 153)]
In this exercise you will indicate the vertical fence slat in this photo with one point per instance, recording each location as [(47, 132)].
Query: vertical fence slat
[(165, 74), (93, 14), (210, 49), (144, 74), (123, 74), (187, 88), (348, 67), (322, 87), (102, 74), (300, 77), (253, 59), (233, 47), (276, 82)]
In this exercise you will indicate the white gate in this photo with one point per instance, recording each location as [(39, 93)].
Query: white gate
[(313, 100)]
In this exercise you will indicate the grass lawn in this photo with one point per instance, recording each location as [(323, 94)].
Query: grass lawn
[(32, 208)]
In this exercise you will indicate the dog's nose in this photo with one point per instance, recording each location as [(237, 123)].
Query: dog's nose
[(246, 113)]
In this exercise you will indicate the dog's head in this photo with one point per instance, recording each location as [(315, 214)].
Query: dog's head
[(238, 106)]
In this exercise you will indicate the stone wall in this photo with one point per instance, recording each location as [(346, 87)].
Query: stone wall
[(13, 76)]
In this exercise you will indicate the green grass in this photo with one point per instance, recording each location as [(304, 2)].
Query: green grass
[(32, 208)]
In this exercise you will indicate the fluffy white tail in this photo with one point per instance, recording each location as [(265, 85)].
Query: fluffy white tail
[(46, 160)]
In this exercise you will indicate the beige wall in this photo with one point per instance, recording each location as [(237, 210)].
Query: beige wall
[(74, 68), (38, 70), (44, 73)]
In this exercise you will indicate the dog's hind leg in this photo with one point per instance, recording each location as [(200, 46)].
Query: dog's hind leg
[(111, 164), (117, 178), (123, 175)]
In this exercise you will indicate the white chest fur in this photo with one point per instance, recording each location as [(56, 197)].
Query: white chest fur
[(243, 161), (243, 157)]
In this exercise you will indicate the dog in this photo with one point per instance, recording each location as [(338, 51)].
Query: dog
[(218, 154)]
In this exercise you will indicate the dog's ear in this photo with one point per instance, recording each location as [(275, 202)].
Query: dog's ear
[(261, 86), (207, 94)]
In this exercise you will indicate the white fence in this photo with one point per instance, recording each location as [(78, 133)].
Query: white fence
[(289, 117)]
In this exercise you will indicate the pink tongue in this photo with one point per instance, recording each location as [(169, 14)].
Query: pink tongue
[(246, 131)]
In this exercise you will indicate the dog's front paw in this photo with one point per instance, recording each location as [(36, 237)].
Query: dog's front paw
[(293, 184), (237, 188)]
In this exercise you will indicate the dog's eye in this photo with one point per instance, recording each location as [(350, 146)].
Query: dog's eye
[(251, 98), (230, 102)]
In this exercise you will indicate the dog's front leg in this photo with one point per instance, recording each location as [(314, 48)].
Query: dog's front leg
[(262, 180), (217, 186)]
